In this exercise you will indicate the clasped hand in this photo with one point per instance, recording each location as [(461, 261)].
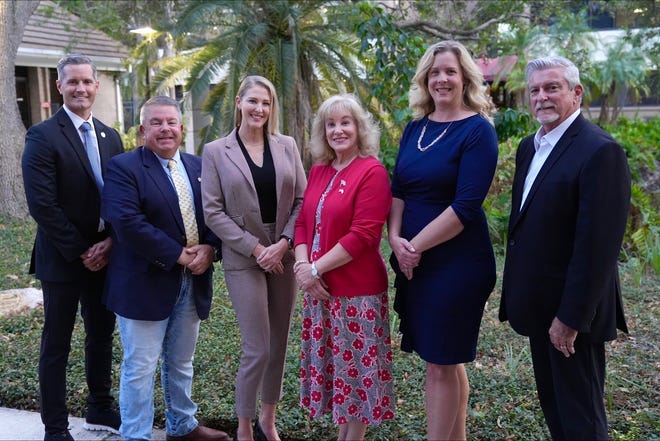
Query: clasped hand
[(270, 258), (316, 288), (406, 255), (98, 255), (197, 258)]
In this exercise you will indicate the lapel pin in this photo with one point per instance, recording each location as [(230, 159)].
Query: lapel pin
[(199, 179), (102, 134)]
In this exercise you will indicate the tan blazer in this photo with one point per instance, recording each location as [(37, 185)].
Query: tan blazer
[(231, 205)]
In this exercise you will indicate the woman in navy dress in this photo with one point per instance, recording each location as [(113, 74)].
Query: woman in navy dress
[(437, 229)]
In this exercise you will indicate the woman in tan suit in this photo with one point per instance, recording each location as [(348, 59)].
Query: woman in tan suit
[(252, 187)]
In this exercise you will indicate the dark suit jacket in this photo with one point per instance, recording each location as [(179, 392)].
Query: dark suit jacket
[(62, 195), (148, 236), (564, 243)]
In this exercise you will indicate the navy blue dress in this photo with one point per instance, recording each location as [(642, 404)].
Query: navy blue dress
[(441, 306)]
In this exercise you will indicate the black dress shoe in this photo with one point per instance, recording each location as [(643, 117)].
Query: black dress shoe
[(259, 434)]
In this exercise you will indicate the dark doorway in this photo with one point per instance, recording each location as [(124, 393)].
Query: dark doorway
[(23, 94), (56, 100)]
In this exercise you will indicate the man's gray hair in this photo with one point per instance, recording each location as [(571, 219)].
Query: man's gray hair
[(571, 72), (74, 59), (160, 100)]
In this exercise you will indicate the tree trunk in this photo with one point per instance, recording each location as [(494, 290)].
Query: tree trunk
[(14, 15), (299, 115), (604, 110), (619, 99), (300, 123)]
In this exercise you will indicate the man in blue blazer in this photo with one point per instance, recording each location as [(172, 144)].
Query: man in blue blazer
[(160, 273), (571, 195), (63, 176)]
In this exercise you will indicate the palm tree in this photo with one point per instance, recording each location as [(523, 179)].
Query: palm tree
[(298, 44), (622, 70)]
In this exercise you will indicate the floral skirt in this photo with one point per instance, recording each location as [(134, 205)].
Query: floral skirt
[(346, 359)]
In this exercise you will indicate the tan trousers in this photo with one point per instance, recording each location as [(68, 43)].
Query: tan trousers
[(263, 304)]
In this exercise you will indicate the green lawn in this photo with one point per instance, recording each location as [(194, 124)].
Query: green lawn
[(503, 402)]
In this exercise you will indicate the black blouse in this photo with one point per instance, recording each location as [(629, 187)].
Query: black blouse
[(264, 181)]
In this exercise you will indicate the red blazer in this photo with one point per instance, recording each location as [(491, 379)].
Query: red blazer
[(354, 212)]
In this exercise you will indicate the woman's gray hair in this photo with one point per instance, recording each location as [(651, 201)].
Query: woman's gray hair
[(368, 131), (571, 72)]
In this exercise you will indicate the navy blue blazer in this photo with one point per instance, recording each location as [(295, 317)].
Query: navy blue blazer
[(62, 195), (563, 244), (148, 235)]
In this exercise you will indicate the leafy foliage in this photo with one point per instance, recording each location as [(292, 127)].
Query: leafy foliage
[(390, 55), (640, 140), (498, 202), (516, 123), (117, 17), (301, 46)]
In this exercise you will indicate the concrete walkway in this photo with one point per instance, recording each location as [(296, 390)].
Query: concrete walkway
[(21, 425)]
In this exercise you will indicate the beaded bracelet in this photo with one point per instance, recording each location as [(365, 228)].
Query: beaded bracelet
[(297, 264)]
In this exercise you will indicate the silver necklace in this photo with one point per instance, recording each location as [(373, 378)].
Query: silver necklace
[(439, 137)]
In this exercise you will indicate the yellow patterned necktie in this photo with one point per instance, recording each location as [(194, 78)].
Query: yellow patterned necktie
[(185, 204)]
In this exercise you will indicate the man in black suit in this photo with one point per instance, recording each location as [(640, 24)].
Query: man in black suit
[(571, 194), (63, 166)]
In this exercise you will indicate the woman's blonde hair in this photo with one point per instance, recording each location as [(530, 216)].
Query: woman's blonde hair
[(475, 96), (273, 119), (368, 131)]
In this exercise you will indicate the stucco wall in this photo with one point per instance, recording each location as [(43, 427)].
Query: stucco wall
[(105, 106)]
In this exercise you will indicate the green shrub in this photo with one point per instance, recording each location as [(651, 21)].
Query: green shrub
[(641, 141), (511, 123)]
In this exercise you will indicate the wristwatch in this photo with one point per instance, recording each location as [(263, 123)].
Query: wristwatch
[(289, 241), (315, 272)]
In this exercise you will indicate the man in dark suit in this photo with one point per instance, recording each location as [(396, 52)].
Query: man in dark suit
[(571, 194), (160, 273), (63, 166)]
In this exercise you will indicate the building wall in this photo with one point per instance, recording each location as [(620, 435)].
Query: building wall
[(105, 105)]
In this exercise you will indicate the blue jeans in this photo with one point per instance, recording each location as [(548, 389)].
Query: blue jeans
[(173, 340)]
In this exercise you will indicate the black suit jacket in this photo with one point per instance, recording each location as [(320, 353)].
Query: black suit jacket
[(140, 201), (62, 195), (564, 243)]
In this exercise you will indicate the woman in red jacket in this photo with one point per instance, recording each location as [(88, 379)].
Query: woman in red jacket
[(346, 353)]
